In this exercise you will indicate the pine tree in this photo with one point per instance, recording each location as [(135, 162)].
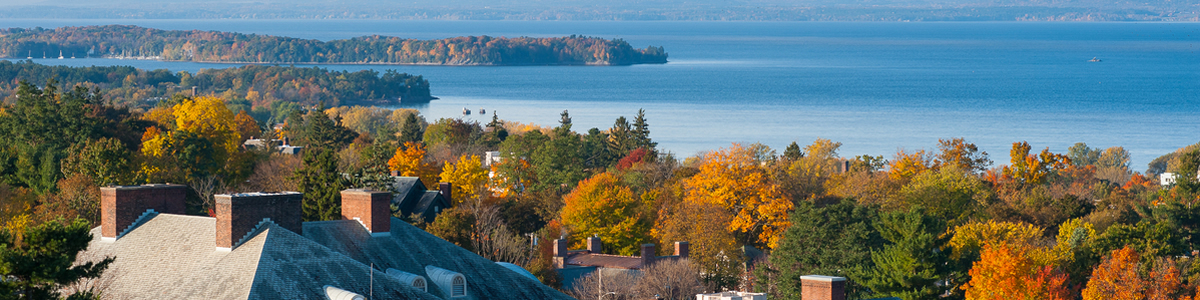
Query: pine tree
[(321, 184), (910, 265), (792, 152), (43, 260), (410, 129), (621, 138), (641, 133), (834, 240)]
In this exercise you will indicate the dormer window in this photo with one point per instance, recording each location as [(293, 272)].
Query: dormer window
[(460, 287), (419, 284), (416, 281), (451, 284)]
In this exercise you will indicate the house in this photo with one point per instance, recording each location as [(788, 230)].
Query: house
[(284, 146), (257, 248), (732, 296), (413, 198), (576, 264), (1166, 179)]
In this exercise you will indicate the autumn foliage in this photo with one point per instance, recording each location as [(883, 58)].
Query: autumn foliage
[(409, 160), (1033, 168), (602, 206), (733, 179), (1120, 277), (1006, 272)]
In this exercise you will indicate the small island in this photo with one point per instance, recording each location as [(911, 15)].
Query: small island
[(133, 42)]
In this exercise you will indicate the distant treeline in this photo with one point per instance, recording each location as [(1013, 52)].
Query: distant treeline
[(260, 85), (214, 46)]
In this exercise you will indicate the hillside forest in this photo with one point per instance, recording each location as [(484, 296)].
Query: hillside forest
[(939, 223), (214, 46)]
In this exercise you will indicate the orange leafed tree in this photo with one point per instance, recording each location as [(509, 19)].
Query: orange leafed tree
[(1033, 168), (1006, 272), (733, 179), (246, 126), (409, 160), (1117, 277)]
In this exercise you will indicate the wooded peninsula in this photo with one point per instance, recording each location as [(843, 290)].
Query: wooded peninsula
[(120, 41), (256, 85)]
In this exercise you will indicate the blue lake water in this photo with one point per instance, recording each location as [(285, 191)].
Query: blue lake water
[(876, 87)]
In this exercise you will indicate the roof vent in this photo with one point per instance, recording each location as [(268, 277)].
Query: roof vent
[(333, 293), (416, 281), (452, 284)]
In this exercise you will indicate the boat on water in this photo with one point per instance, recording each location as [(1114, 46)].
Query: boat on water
[(466, 112), (1094, 59), (60, 56)]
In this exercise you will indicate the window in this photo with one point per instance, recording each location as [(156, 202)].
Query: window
[(419, 283), (459, 287)]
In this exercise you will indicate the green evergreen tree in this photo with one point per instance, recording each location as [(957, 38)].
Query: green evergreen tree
[(323, 132), (497, 134), (641, 133), (559, 162), (39, 263), (793, 152), (321, 184), (621, 138), (834, 240), (410, 129), (911, 264), (595, 150)]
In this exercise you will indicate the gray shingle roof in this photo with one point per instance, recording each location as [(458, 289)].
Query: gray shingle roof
[(175, 257), (410, 249)]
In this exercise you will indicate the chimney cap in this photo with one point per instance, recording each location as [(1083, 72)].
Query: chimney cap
[(822, 278)]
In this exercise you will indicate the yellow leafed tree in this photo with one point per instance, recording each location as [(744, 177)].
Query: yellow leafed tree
[(467, 178), (601, 206), (733, 179), (208, 117)]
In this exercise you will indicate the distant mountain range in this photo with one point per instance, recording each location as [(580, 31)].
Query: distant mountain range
[(695, 10)]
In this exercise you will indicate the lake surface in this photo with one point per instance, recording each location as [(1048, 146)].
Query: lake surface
[(876, 87)]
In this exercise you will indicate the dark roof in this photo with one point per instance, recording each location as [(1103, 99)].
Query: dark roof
[(175, 257), (409, 191), (411, 249), (429, 199), (605, 260)]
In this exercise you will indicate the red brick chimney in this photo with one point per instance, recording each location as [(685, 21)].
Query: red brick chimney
[(648, 254), (121, 206), (819, 287), (681, 249), (444, 188), (594, 245), (373, 209), (238, 215)]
